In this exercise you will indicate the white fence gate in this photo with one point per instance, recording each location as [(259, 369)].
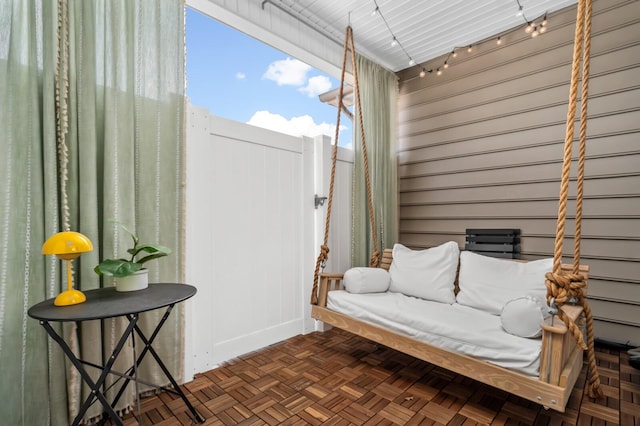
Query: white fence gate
[(253, 234)]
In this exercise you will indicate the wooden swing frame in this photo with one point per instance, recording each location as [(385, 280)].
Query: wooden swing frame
[(561, 358), (563, 345)]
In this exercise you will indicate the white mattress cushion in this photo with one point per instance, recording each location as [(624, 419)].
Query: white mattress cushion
[(366, 280), (453, 327), (488, 284), (428, 274)]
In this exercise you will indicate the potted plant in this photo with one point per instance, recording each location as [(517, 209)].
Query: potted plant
[(129, 273)]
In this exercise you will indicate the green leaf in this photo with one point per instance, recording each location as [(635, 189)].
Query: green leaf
[(117, 267), (151, 257), (151, 249)]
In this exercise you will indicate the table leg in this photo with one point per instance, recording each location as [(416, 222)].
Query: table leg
[(149, 348), (94, 386)]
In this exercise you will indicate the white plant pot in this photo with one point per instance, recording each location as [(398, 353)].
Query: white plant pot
[(137, 281)]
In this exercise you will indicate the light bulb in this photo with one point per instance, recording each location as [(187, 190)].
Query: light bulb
[(543, 30), (438, 71), (446, 65), (411, 62), (394, 42), (535, 32), (499, 41), (423, 73), (469, 49), (519, 12), (454, 53), (529, 28), (375, 11)]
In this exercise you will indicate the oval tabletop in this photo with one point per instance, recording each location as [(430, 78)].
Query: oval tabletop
[(107, 303)]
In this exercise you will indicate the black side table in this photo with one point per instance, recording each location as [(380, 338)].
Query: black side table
[(108, 303)]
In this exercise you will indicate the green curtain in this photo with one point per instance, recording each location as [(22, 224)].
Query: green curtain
[(32, 388), (378, 90), (125, 162)]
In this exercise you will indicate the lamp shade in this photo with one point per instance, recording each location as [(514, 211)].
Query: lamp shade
[(67, 243)]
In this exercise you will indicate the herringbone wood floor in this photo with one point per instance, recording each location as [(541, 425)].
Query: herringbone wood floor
[(335, 378)]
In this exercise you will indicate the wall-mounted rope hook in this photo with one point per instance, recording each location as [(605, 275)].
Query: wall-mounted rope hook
[(319, 201)]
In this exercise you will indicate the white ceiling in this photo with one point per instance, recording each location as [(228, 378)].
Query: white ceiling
[(425, 29)]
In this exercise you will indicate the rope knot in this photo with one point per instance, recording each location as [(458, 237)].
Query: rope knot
[(564, 287), (324, 254), (374, 260)]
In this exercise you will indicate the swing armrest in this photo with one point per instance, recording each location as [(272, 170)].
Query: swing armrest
[(561, 357), (328, 282)]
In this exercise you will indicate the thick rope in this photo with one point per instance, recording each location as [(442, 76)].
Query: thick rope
[(561, 287), (324, 248)]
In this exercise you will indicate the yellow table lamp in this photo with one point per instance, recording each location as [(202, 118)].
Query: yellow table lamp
[(68, 245)]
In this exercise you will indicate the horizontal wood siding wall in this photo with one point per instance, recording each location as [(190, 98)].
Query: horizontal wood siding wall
[(481, 147)]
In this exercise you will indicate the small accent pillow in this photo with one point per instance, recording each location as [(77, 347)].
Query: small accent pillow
[(428, 274), (487, 283), (523, 317), (366, 280)]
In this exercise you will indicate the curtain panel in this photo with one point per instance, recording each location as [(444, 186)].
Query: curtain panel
[(378, 90), (126, 88)]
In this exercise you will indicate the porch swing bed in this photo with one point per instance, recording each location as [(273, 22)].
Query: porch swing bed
[(468, 313), (458, 338)]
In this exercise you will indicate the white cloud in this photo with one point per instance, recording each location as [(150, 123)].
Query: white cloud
[(296, 126), (316, 85), (287, 72), (241, 76)]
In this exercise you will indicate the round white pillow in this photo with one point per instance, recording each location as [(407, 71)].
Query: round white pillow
[(366, 280), (523, 317)]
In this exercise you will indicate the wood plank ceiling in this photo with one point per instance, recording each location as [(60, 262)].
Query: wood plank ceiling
[(424, 29)]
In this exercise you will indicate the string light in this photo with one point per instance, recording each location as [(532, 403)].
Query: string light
[(394, 40), (543, 25), (529, 28), (532, 28)]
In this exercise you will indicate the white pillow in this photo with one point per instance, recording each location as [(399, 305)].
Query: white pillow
[(366, 280), (523, 317), (487, 283), (427, 274)]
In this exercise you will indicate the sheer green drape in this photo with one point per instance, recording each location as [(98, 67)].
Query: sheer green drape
[(378, 89), (32, 388), (125, 143)]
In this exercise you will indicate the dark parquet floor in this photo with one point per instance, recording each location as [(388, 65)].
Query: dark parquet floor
[(335, 378)]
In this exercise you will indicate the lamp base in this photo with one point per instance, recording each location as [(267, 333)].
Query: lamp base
[(69, 297)]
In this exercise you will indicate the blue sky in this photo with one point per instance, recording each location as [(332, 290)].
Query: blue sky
[(242, 79)]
